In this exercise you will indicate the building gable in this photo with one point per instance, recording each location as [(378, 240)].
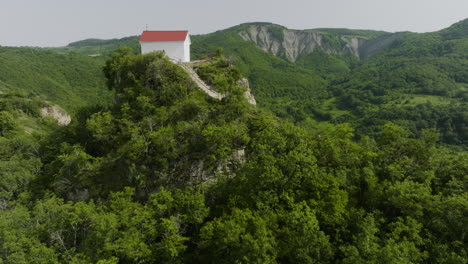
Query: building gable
[(176, 44)]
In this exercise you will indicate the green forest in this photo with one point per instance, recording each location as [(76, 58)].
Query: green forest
[(70, 80), (419, 82), (168, 175), (343, 160)]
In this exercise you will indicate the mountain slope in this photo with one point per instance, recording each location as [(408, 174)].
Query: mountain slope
[(69, 80), (99, 48), (270, 76), (322, 76), (168, 174), (292, 90), (421, 82), (416, 80), (291, 44)]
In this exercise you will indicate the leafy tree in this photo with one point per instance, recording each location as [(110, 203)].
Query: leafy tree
[(6, 123), (239, 237)]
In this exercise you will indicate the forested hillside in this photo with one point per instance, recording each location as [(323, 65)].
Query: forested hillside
[(169, 175), (415, 80), (69, 80), (318, 77), (421, 82), (99, 48), (356, 152)]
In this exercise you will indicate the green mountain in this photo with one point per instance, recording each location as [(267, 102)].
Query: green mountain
[(340, 162), (318, 77), (168, 174), (99, 48), (362, 77), (69, 80)]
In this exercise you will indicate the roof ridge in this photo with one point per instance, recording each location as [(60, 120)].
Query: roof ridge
[(164, 35), (165, 30)]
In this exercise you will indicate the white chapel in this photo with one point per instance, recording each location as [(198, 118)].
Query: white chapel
[(176, 44)]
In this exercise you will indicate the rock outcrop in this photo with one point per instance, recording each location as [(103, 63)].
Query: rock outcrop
[(247, 94), (293, 43), (56, 113), (228, 166)]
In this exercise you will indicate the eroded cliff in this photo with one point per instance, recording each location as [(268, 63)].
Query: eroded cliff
[(291, 44)]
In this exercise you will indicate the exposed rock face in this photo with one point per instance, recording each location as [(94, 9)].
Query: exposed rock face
[(248, 95), (295, 43), (56, 113), (227, 166)]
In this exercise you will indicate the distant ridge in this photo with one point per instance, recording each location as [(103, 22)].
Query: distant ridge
[(456, 31), (99, 42)]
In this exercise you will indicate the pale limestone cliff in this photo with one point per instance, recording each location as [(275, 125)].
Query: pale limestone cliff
[(294, 43), (247, 94)]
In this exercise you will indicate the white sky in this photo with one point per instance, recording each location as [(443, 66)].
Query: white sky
[(58, 22)]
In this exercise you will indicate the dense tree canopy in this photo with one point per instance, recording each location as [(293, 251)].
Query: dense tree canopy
[(169, 175)]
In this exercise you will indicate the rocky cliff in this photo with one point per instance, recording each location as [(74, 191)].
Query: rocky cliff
[(291, 44)]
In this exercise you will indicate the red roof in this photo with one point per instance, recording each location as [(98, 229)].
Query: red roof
[(164, 35)]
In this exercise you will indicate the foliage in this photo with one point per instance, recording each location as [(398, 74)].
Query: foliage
[(98, 48), (351, 32), (69, 80), (219, 73), (367, 93), (401, 84), (167, 174)]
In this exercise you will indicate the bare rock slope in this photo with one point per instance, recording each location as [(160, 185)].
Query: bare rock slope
[(293, 43)]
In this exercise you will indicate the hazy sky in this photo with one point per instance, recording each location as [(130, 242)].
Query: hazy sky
[(58, 22)]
